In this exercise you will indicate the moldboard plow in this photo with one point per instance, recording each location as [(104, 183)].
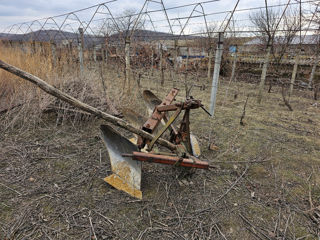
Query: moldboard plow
[(126, 156)]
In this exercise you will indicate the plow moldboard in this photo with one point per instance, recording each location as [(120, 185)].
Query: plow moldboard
[(126, 172)]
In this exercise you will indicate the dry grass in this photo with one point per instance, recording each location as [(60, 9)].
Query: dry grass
[(29, 102)]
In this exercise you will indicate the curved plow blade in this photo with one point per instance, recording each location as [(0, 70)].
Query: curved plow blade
[(151, 100), (136, 119), (126, 172)]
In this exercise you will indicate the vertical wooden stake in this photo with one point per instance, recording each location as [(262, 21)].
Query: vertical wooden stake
[(264, 74)]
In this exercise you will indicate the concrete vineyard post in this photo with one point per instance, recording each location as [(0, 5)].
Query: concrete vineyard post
[(80, 48), (264, 74), (127, 61), (294, 73), (216, 72), (314, 67)]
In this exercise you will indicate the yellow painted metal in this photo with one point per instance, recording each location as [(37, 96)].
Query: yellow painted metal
[(196, 150), (120, 184), (167, 125), (126, 172)]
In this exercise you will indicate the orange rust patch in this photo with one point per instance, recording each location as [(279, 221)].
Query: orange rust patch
[(122, 169), (119, 184)]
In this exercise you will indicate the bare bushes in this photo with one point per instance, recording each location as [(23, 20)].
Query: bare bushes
[(26, 105)]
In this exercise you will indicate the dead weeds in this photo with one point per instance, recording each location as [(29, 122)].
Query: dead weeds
[(265, 184)]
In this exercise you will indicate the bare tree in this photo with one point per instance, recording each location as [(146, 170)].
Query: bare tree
[(125, 26), (266, 23), (282, 42), (315, 20), (210, 48), (127, 22)]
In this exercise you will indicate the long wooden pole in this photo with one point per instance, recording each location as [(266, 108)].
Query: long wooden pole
[(76, 103)]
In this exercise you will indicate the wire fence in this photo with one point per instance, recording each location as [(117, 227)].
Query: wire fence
[(103, 20), (155, 36)]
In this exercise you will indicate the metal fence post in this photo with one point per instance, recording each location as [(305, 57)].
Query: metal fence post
[(216, 72), (161, 65), (210, 55), (187, 62), (106, 54), (95, 54), (294, 73), (233, 73), (80, 47), (175, 55), (152, 61), (127, 61), (264, 73), (314, 67)]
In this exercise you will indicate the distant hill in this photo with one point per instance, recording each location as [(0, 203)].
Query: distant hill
[(147, 35), (89, 40), (53, 35)]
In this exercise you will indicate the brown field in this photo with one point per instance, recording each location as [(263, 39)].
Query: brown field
[(265, 184)]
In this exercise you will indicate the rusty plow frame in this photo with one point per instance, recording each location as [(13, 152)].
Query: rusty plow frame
[(126, 156)]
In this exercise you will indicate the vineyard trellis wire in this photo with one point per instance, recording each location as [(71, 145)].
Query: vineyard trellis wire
[(103, 32)]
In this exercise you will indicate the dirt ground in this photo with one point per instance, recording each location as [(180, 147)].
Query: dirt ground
[(265, 184)]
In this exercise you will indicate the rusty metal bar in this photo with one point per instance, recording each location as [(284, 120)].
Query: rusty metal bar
[(169, 160), (151, 124)]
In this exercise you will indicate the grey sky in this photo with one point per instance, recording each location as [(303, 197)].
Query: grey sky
[(17, 11)]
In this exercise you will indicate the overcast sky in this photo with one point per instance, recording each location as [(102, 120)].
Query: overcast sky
[(17, 11)]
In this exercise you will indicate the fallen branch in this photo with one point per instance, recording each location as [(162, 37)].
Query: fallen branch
[(10, 189), (253, 227), (76, 103), (10, 108), (233, 184)]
